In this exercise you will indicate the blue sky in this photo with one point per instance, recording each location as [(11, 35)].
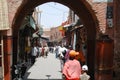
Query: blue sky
[(53, 14)]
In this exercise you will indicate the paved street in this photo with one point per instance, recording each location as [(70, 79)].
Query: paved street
[(45, 68)]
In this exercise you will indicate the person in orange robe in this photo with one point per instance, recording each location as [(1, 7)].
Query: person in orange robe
[(72, 67)]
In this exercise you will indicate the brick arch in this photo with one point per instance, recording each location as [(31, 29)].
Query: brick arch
[(80, 7)]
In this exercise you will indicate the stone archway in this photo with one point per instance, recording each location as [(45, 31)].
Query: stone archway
[(80, 7)]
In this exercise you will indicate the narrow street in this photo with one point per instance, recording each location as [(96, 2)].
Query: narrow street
[(45, 68)]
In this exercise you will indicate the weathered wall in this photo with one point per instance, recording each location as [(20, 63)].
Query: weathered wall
[(13, 5), (100, 10), (117, 39), (113, 32)]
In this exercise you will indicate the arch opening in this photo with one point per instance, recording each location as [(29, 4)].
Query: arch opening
[(80, 7)]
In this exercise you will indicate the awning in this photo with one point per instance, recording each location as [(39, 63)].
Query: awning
[(76, 27), (44, 38), (29, 21), (68, 25), (35, 35), (77, 23), (32, 22), (73, 26)]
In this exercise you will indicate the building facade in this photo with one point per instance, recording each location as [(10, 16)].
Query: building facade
[(56, 35)]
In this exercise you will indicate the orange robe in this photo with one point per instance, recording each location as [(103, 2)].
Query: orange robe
[(72, 70)]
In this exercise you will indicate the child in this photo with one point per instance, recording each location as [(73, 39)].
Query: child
[(84, 75)]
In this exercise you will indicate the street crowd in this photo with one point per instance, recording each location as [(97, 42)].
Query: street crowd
[(73, 63)]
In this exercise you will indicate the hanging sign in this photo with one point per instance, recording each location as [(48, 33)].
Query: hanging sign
[(109, 13), (109, 16)]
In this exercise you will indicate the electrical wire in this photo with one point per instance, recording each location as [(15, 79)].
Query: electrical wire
[(57, 8), (53, 14)]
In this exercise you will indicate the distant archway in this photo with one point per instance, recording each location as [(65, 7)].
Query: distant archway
[(80, 7)]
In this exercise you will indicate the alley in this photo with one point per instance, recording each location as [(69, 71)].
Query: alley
[(45, 68)]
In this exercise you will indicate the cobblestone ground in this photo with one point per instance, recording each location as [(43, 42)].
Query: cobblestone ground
[(45, 68)]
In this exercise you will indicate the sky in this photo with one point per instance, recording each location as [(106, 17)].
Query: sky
[(52, 14)]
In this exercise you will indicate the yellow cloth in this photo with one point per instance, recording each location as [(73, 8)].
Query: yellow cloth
[(27, 49), (81, 57)]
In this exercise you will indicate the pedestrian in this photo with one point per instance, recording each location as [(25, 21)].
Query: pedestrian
[(72, 67), (23, 70), (43, 49), (56, 51), (62, 52), (84, 75), (67, 52), (27, 53), (34, 53), (39, 50), (46, 51)]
